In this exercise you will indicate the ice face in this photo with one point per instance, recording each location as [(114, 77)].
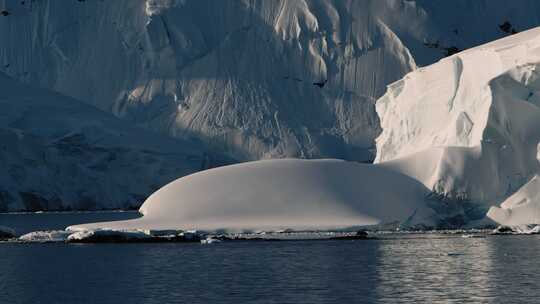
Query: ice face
[(258, 79), (472, 115)]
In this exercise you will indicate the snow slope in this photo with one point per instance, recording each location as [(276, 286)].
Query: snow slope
[(473, 118), (282, 194), (58, 153), (245, 76)]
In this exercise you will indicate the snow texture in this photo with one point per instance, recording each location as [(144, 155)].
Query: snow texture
[(57, 153), (254, 78), (468, 126)]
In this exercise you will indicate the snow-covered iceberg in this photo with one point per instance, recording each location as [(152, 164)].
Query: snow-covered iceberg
[(44, 236), (278, 194), (473, 118)]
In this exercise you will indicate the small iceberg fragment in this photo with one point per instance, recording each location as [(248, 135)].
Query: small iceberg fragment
[(130, 236), (359, 235), (107, 236), (528, 229), (210, 240), (520, 212), (45, 236), (518, 229), (6, 233), (502, 230)]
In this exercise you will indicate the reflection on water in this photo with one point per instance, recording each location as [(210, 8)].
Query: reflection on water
[(398, 268), (435, 269)]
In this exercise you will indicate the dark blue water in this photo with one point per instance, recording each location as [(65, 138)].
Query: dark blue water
[(28, 222), (394, 269)]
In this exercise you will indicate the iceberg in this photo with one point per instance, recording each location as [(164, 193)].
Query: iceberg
[(44, 236), (115, 236), (110, 236), (468, 126), (520, 209), (282, 194)]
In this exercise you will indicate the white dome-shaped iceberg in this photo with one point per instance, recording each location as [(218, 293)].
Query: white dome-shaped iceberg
[(278, 194)]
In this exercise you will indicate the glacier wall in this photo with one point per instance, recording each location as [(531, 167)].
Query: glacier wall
[(467, 126), (253, 78)]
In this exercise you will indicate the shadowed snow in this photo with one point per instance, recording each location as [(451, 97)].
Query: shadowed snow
[(277, 194)]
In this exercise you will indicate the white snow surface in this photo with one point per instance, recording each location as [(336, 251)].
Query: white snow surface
[(468, 126), (239, 75), (58, 153), (282, 194)]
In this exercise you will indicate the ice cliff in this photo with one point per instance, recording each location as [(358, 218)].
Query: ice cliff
[(468, 126), (257, 79)]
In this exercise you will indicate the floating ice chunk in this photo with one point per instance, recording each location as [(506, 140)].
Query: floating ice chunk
[(519, 229), (210, 240), (45, 236), (105, 236), (164, 233), (521, 208)]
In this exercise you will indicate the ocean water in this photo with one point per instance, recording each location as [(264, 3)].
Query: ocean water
[(396, 268)]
